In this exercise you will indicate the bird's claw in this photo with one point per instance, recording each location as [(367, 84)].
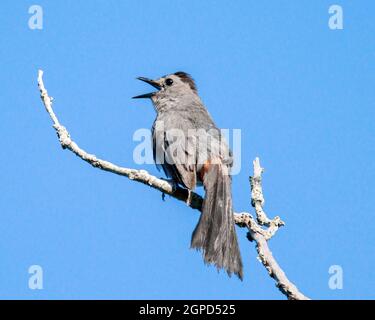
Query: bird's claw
[(172, 183)]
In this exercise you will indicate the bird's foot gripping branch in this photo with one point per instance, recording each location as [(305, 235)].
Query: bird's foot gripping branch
[(260, 229)]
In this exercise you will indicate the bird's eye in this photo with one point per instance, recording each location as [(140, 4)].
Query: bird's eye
[(168, 82)]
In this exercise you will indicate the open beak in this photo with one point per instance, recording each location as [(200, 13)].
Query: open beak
[(153, 83)]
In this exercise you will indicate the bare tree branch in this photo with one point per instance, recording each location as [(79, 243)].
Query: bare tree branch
[(243, 219)]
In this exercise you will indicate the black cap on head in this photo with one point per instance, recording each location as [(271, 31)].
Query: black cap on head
[(185, 77)]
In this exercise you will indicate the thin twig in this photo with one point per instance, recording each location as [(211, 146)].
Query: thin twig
[(257, 199)]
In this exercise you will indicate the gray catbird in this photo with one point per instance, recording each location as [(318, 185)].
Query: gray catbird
[(191, 151)]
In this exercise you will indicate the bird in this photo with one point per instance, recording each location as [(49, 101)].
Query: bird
[(192, 151)]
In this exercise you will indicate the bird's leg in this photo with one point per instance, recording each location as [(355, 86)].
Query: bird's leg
[(172, 183), (188, 200)]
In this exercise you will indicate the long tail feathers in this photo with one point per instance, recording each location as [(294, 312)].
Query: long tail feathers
[(215, 232)]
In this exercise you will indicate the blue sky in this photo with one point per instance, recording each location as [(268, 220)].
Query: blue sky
[(302, 94)]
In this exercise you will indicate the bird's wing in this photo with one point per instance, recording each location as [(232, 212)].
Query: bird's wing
[(176, 155)]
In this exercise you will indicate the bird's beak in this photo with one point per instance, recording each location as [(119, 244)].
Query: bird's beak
[(153, 83)]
